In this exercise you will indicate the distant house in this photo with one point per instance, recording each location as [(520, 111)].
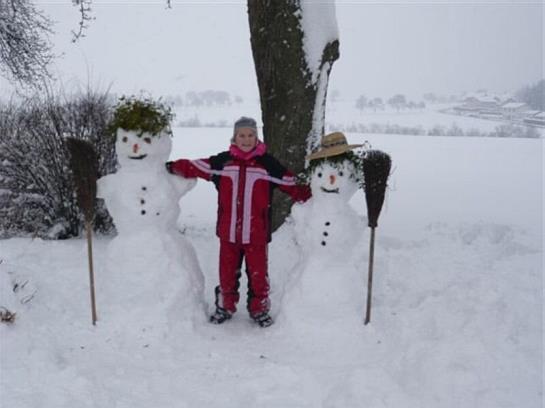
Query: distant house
[(514, 110), (496, 107), (477, 105), (535, 120), (505, 98), (489, 103), (466, 109), (491, 114), (470, 100)]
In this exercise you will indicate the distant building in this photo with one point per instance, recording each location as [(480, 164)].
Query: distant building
[(503, 107), (506, 98), (478, 105), (466, 109), (514, 110), (535, 120)]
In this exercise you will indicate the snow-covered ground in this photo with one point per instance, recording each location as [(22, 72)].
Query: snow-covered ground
[(457, 313)]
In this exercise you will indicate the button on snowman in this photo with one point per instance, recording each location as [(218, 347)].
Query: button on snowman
[(149, 260)]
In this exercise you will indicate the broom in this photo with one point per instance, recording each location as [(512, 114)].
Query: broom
[(84, 166), (376, 169)]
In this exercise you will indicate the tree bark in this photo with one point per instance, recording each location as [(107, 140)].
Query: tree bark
[(288, 94)]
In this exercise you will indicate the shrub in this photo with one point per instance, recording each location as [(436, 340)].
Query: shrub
[(36, 190)]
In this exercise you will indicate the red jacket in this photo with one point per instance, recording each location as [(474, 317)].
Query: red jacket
[(245, 182)]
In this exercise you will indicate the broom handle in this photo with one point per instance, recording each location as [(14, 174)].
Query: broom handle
[(91, 271), (370, 276)]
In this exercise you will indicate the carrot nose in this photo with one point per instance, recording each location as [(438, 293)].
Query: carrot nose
[(135, 148), (331, 179)]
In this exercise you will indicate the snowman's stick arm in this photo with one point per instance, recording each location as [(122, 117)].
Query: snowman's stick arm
[(370, 276)]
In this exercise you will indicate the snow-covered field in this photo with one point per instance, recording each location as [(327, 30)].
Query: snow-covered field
[(457, 313), (343, 115)]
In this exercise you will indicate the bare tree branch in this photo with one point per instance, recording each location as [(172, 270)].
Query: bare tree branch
[(85, 10), (25, 48)]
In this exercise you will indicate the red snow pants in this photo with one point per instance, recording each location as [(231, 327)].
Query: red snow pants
[(231, 256)]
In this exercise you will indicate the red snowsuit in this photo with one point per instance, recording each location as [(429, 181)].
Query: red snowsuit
[(244, 182)]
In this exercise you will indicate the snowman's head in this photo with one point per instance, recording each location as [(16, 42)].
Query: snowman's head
[(142, 129), (135, 146), (334, 179)]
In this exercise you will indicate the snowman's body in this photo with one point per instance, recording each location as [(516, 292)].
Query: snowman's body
[(328, 233), (141, 196), (149, 260)]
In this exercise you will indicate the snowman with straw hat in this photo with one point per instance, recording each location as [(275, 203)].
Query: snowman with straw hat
[(328, 230), (334, 175)]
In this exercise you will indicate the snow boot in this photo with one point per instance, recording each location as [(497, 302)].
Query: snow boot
[(220, 316), (263, 319)]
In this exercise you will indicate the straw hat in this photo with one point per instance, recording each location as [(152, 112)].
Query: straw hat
[(332, 145)]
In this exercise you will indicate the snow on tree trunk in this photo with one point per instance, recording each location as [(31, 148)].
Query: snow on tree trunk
[(321, 46), (294, 45)]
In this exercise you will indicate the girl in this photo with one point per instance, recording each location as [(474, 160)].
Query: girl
[(244, 176)]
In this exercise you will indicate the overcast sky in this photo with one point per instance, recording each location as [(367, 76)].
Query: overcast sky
[(387, 47)]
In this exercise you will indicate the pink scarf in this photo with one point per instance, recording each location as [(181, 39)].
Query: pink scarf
[(258, 150)]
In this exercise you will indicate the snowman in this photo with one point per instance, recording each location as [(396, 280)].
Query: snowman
[(151, 268), (328, 232), (327, 223)]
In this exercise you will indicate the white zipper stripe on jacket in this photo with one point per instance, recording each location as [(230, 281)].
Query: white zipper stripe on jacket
[(252, 175), (251, 178), (232, 173)]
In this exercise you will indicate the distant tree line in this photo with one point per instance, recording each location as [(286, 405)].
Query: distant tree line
[(203, 98), (432, 98), (398, 102), (196, 122)]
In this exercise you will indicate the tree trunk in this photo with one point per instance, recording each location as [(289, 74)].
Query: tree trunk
[(288, 92)]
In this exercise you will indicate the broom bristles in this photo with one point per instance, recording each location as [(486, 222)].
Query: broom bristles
[(84, 166), (376, 169)]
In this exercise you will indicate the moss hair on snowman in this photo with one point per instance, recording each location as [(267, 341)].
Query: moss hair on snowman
[(141, 127), (142, 115)]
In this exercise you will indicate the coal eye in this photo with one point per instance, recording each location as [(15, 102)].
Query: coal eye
[(124, 139), (147, 140), (341, 173), (319, 174)]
